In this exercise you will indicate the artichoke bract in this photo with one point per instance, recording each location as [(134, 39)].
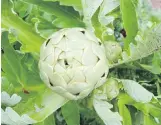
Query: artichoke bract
[(73, 63)]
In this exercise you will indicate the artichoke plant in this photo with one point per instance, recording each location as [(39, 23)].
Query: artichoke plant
[(73, 63)]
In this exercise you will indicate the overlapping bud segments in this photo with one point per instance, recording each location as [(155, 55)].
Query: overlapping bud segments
[(73, 63)]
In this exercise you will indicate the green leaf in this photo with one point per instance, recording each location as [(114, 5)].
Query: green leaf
[(148, 120), (152, 108), (75, 3), (44, 27), (97, 25), (138, 119), (35, 16), (43, 22), (129, 21), (155, 67), (6, 85), (66, 16), (124, 112), (70, 112), (11, 63), (101, 31), (50, 120), (89, 116), (22, 10), (15, 68), (30, 40)]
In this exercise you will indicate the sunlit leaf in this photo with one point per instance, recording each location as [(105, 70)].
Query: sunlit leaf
[(124, 112), (75, 3), (72, 20), (129, 21), (14, 67), (31, 40)]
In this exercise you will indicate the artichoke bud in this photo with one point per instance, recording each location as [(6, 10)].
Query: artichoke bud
[(73, 63), (112, 88), (113, 51)]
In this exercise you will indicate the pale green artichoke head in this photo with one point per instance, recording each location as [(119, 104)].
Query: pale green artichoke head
[(73, 63), (113, 51)]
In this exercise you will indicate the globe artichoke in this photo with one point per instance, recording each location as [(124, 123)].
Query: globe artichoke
[(73, 63), (113, 51)]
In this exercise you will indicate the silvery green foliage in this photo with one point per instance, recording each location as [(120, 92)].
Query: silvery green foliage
[(89, 8), (136, 91), (8, 100), (147, 43), (103, 109), (10, 117), (73, 63), (146, 11), (106, 7)]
